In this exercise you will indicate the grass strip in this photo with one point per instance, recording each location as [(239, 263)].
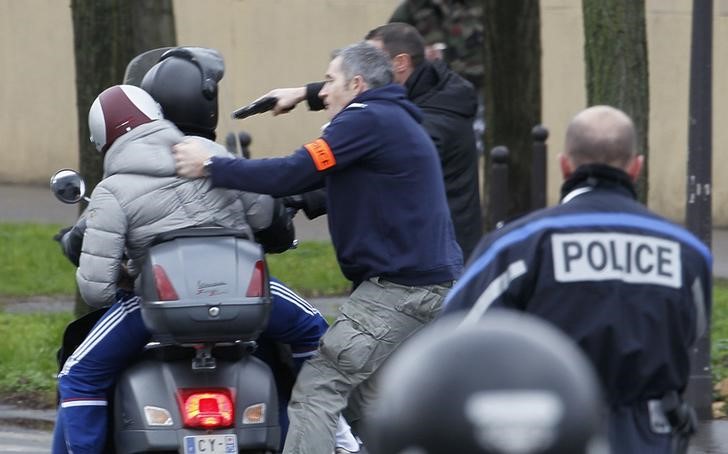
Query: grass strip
[(31, 264), (28, 356)]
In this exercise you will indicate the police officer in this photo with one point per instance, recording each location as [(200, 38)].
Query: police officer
[(448, 104), (632, 289), (389, 224), (512, 384)]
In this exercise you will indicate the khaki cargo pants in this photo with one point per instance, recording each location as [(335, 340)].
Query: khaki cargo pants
[(378, 316)]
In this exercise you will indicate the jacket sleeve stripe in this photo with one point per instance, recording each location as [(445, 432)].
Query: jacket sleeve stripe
[(495, 289), (701, 316)]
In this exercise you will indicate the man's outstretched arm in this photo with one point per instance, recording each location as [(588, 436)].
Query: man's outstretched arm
[(288, 98)]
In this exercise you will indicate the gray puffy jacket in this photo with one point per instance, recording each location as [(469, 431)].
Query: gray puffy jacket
[(140, 197)]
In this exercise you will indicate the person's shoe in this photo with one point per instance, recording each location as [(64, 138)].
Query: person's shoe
[(344, 451)]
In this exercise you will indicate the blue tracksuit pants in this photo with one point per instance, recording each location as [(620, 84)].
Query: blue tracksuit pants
[(87, 379)]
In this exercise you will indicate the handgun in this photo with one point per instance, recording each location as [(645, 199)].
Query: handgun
[(258, 106)]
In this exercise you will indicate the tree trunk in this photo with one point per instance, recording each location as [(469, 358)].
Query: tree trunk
[(512, 88), (615, 50), (107, 34)]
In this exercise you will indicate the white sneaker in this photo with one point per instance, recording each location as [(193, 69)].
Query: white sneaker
[(344, 451), (346, 442)]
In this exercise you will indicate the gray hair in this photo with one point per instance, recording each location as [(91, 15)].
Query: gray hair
[(362, 59)]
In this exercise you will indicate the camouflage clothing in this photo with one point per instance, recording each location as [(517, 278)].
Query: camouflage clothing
[(456, 23)]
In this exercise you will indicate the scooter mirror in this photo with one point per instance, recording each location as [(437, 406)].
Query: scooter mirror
[(68, 186)]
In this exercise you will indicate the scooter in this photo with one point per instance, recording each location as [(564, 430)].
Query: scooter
[(197, 388)]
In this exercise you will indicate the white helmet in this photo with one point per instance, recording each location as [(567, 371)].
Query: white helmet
[(118, 110)]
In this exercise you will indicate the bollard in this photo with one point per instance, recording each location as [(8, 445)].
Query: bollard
[(231, 144), (538, 167), (245, 140), (242, 140), (498, 185)]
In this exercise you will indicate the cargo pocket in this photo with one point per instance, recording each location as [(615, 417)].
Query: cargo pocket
[(421, 304), (352, 340)]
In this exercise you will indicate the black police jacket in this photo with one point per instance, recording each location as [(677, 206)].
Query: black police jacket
[(632, 289)]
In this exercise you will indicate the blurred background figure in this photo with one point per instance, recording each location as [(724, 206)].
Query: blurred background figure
[(454, 32), (239, 144), (507, 384)]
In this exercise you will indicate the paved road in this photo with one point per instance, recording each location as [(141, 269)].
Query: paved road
[(33, 437), (712, 439), (15, 439)]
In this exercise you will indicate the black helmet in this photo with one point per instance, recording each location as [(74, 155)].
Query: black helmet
[(184, 83), (507, 384)]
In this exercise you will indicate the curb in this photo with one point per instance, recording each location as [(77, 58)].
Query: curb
[(12, 415)]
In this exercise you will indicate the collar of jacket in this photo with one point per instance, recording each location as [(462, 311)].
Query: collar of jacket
[(422, 79), (391, 92), (600, 176), (433, 85)]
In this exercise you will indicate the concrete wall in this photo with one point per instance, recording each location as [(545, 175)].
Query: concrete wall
[(668, 30), (266, 44), (38, 127), (275, 43)]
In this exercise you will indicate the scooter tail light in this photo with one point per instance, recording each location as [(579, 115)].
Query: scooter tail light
[(258, 282), (164, 286), (210, 408)]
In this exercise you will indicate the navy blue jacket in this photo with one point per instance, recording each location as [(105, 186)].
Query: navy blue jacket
[(632, 289), (448, 103), (386, 202)]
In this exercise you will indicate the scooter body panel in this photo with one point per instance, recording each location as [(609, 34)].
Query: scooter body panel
[(152, 382), (209, 276)]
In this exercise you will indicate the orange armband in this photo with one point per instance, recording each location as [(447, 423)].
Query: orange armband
[(323, 157)]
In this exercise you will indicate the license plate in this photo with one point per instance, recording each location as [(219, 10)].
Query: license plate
[(211, 444)]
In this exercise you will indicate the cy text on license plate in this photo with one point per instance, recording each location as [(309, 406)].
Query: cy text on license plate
[(211, 444)]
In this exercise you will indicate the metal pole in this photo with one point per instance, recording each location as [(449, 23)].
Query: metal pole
[(498, 185), (538, 167), (698, 215)]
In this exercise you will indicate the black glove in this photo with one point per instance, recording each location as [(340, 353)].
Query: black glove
[(313, 203), (61, 233), (279, 235), (71, 240), (294, 201)]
